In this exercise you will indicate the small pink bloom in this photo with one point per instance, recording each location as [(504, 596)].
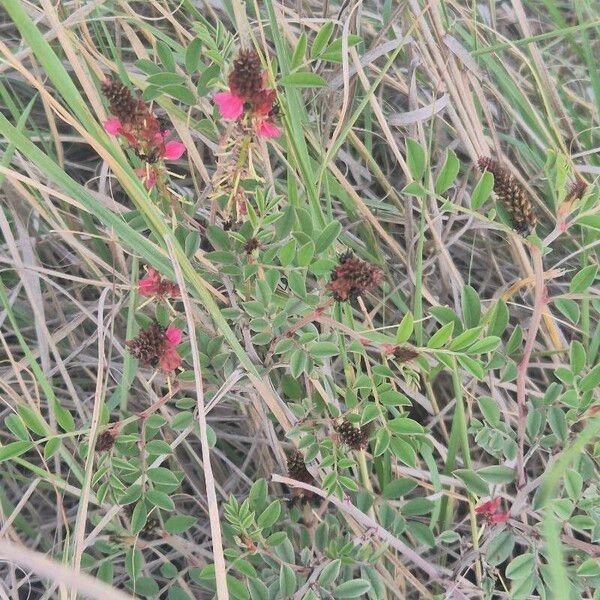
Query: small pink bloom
[(173, 335), (491, 506), (267, 130), (151, 284), (170, 359), (151, 178), (230, 105), (174, 150), (500, 517), (113, 126)]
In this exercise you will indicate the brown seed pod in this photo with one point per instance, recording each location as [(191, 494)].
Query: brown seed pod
[(105, 441), (355, 437), (149, 345), (251, 245), (352, 277), (246, 78), (297, 468), (404, 353), (121, 101), (512, 195)]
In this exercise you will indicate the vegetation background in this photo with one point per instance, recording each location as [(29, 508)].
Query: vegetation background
[(466, 379)]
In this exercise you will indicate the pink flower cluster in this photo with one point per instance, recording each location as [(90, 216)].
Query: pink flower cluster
[(153, 284), (248, 95), (160, 149)]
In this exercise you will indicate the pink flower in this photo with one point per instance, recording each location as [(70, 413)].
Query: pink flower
[(150, 285), (173, 335), (500, 517), (170, 359), (491, 511), (267, 130), (230, 106), (174, 150), (154, 285), (113, 126), (491, 506)]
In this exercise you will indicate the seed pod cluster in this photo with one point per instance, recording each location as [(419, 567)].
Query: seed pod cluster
[(352, 277), (512, 195)]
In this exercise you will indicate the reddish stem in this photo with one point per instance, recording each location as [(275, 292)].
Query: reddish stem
[(540, 300)]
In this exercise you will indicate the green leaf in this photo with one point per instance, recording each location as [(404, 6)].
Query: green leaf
[(158, 447), (583, 279), (139, 517), (405, 328), (161, 79), (490, 410), (287, 581), (192, 55), (328, 236), (416, 159), (488, 344), (324, 349), (306, 254), (448, 173), (473, 482), (482, 190), (299, 52), (270, 515), (577, 356), (404, 425), (144, 586), (475, 367), (520, 567), (589, 568), (558, 422), (591, 221), (500, 547), (334, 51), (414, 188), (303, 79), (591, 380), (330, 573), (497, 474), (471, 306), (569, 308), (352, 589), (398, 488), (321, 39), (499, 320), (160, 499), (466, 338), (179, 523), (33, 420), (162, 475), (440, 337), (14, 449)]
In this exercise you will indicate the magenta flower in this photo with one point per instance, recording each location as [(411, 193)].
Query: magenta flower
[(154, 149), (154, 285), (230, 106), (170, 359), (248, 95)]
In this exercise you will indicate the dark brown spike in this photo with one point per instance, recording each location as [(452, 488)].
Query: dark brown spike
[(355, 437), (121, 101), (512, 195), (149, 345), (352, 277), (105, 441), (297, 468), (246, 78), (576, 190), (404, 353), (251, 245)]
